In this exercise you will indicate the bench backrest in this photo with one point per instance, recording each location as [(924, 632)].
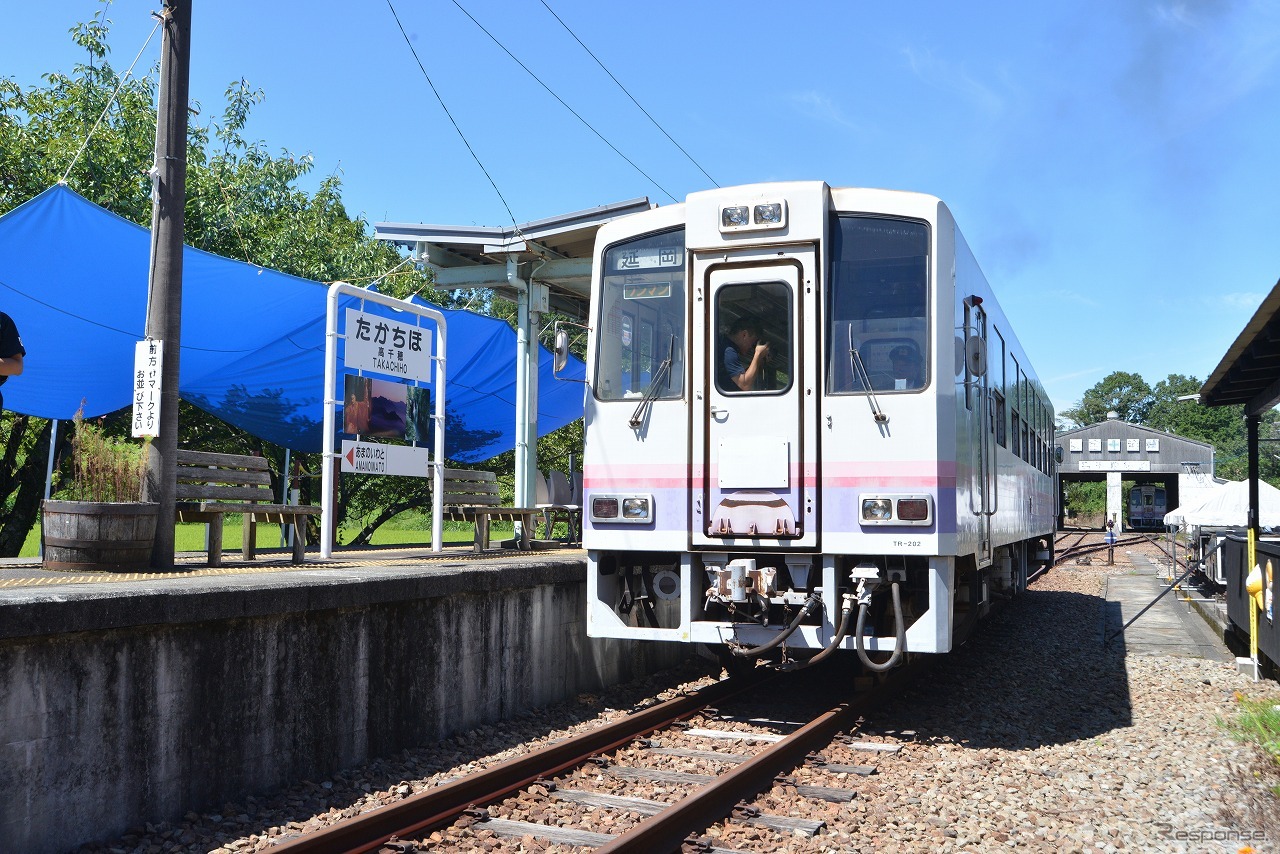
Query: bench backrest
[(465, 487), (204, 476)]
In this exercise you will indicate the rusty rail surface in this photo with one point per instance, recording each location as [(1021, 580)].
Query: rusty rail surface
[(431, 809)]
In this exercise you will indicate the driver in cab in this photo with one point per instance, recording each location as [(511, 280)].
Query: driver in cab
[(746, 355), (906, 367)]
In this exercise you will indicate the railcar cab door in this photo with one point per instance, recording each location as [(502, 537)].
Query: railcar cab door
[(754, 416)]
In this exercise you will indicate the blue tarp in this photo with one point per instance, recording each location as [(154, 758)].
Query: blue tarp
[(73, 276)]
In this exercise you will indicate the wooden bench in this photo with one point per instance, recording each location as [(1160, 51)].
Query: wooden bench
[(472, 496), (213, 485)]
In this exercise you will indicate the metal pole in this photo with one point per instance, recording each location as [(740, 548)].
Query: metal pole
[(286, 538), (48, 473), (164, 302)]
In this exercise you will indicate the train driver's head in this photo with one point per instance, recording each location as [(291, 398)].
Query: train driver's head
[(745, 332), (905, 355)]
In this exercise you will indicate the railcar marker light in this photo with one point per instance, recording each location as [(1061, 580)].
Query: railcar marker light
[(604, 508), (913, 509)]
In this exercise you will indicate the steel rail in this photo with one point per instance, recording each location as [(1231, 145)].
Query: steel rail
[(440, 805), (668, 830)]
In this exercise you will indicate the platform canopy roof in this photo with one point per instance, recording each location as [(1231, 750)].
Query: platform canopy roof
[(555, 252), (74, 278), (1249, 373)]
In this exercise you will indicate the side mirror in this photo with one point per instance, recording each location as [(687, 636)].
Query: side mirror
[(1057, 454), (561, 349), (975, 356)]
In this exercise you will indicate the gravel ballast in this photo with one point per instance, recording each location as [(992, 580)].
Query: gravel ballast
[(1032, 736)]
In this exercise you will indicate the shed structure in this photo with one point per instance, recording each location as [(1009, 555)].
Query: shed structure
[(1116, 451)]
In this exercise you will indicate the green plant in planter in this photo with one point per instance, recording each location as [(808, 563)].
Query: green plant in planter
[(105, 468)]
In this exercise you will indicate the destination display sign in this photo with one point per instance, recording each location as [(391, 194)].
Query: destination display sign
[(659, 257), (378, 458), (387, 346)]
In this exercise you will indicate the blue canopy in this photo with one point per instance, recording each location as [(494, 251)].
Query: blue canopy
[(73, 276)]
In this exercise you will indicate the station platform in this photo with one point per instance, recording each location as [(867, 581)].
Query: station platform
[(136, 697), (1172, 626), (37, 601)]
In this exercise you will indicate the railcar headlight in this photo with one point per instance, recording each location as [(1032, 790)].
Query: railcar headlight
[(877, 509), (732, 217), (635, 508), (770, 214)]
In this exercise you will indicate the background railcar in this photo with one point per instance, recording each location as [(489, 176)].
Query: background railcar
[(1147, 507), (885, 476)]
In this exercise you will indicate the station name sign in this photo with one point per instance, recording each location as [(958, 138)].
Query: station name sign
[(384, 345), (1115, 465), (380, 458)]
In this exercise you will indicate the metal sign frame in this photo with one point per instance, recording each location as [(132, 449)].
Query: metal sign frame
[(331, 400)]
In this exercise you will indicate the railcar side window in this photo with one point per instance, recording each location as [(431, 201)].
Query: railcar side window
[(641, 325), (877, 299)]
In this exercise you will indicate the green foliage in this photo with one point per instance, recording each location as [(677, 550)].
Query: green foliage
[(242, 202), (1159, 408), (1086, 498), (1124, 393), (1256, 722)]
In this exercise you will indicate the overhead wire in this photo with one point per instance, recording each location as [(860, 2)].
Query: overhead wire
[(463, 136), (123, 79), (627, 93), (551, 92)]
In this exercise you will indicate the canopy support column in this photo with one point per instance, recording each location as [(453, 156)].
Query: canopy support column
[(531, 302)]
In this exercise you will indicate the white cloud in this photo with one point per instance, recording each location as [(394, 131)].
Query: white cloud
[(944, 75), (818, 106), (1242, 299)]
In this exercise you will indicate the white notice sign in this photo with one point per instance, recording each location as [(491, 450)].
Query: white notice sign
[(385, 345), (148, 361), (378, 458)]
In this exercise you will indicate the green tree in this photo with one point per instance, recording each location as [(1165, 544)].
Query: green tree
[(1124, 393), (242, 202)]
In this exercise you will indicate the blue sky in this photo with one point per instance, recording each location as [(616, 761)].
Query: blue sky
[(1112, 165)]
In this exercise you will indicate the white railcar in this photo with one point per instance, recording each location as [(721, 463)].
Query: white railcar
[(843, 499)]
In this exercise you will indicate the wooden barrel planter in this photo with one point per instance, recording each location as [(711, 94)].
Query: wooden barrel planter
[(98, 536)]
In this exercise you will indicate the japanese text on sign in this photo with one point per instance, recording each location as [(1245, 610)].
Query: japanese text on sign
[(387, 346), (148, 362)]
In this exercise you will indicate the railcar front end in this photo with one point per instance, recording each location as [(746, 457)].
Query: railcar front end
[(858, 490)]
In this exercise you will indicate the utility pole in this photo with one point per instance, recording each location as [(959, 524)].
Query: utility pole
[(164, 283)]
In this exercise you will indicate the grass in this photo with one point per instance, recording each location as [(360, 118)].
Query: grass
[(409, 528), (1257, 722)]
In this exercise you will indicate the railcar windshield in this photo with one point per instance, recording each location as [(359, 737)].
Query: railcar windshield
[(877, 299), (641, 323)]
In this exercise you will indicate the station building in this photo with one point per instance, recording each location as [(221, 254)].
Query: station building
[(1117, 452)]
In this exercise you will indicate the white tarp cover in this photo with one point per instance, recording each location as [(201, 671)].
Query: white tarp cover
[(1227, 506)]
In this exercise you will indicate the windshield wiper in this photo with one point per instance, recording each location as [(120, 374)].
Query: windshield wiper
[(662, 374), (860, 371)]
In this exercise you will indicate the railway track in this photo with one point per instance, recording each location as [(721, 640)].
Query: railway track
[(595, 770), (1080, 547)]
